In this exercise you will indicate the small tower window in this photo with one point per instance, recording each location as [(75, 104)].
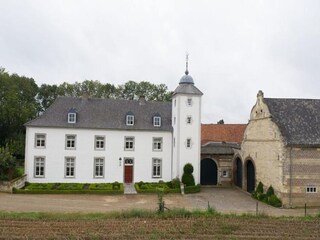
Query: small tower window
[(157, 121), (72, 117), (188, 143), (189, 120), (189, 101), (130, 120)]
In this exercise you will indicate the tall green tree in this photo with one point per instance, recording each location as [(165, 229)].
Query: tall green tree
[(17, 106)]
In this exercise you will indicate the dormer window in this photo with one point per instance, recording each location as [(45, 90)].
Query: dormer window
[(157, 121), (72, 117), (130, 120)]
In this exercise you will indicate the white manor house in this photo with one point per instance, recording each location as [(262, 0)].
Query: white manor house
[(90, 140)]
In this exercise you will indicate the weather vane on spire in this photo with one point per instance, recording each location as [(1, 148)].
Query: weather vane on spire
[(187, 62)]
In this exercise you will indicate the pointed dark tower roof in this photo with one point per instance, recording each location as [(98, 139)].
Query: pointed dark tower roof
[(186, 84)]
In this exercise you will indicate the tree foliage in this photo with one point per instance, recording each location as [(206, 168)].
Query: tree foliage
[(7, 163), (18, 105)]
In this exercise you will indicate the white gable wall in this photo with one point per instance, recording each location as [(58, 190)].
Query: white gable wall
[(55, 153)]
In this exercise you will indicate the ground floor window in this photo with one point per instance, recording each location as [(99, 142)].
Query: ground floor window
[(39, 163), (311, 189), (98, 167), (70, 167), (156, 167)]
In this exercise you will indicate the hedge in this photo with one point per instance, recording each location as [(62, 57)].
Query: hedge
[(192, 189), (72, 188), (143, 187)]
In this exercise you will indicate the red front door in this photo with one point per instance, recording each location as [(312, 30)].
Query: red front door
[(128, 170)]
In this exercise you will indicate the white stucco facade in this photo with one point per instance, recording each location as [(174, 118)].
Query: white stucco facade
[(186, 114), (55, 153)]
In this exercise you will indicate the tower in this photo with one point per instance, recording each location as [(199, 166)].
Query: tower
[(186, 122)]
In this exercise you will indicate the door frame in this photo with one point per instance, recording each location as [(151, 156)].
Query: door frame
[(124, 168)]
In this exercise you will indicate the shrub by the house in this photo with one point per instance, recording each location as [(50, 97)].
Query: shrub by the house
[(187, 177), (269, 197)]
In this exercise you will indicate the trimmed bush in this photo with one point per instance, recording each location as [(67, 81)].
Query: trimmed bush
[(259, 188), (187, 177), (64, 188), (273, 200), (188, 168), (192, 189), (270, 191), (143, 187)]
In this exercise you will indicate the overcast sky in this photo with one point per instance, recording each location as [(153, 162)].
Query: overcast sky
[(236, 47)]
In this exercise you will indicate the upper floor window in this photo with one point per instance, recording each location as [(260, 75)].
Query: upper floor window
[(157, 144), (189, 101), (99, 142), (130, 120), (188, 144), (40, 140), (70, 141), (129, 143), (157, 121), (39, 164), (72, 117)]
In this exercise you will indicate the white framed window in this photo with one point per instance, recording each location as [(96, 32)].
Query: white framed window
[(40, 140), (99, 142), (189, 119), (72, 117), (157, 121), (225, 173), (174, 120), (175, 102), (156, 167), (130, 120), (157, 144), (70, 167), (39, 167), (129, 143), (311, 189), (188, 143), (99, 167), (71, 141), (189, 101)]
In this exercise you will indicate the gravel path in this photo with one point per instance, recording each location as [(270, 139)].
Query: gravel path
[(226, 200)]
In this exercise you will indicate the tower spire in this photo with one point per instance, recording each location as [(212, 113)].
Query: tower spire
[(187, 62)]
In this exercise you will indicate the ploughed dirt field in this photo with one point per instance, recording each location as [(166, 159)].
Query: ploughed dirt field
[(219, 227)]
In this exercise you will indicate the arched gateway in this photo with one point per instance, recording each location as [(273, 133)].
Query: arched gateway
[(238, 173), (251, 176), (209, 172)]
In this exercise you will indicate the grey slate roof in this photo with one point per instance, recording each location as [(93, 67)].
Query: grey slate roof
[(222, 148), (188, 89), (105, 114), (298, 120)]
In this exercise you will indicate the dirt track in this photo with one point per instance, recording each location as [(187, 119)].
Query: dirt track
[(177, 228)]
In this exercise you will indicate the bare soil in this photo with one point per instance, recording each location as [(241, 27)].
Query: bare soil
[(173, 228)]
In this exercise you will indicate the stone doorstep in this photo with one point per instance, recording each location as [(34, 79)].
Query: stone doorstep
[(129, 188)]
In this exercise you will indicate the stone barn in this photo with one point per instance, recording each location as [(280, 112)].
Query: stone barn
[(281, 148)]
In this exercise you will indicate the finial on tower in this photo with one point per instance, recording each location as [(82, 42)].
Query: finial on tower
[(187, 59)]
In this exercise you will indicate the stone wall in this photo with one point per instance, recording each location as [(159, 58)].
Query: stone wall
[(303, 172), (7, 186)]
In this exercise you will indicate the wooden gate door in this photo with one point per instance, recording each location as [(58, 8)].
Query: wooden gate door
[(128, 170)]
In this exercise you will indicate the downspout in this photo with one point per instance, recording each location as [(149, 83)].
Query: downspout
[(290, 175)]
